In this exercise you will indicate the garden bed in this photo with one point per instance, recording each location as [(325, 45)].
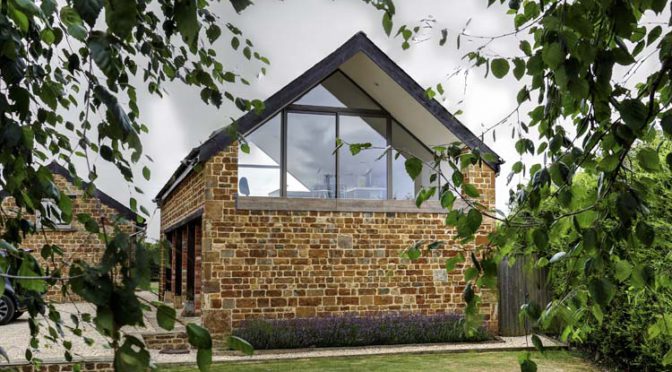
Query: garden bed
[(349, 331)]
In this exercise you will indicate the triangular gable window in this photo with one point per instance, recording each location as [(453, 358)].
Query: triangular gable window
[(338, 91), (294, 153)]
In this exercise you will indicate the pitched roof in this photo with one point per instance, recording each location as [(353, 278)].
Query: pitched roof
[(107, 200), (313, 76)]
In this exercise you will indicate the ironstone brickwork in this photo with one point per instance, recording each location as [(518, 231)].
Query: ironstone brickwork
[(284, 264), (75, 241)]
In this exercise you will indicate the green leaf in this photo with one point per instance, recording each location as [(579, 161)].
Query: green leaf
[(435, 245), (387, 23), (240, 5), (424, 195), (468, 293), (667, 358), (643, 276), (73, 23), (540, 238), (204, 359), (597, 313), (609, 163), (413, 252), (648, 159), (527, 365), (65, 205), (413, 167), (470, 190), (526, 48), (590, 239), (187, 21), (89, 10), (199, 336), (165, 317), (146, 173), (666, 124), (26, 270), (622, 270), (356, 148), (213, 33), (634, 113), (239, 344), (602, 291), (457, 178), (519, 68), (553, 55), (448, 200), (499, 67), (559, 173), (119, 120), (645, 233), (122, 15), (20, 19), (101, 51), (48, 36), (536, 341), (27, 7), (452, 262)]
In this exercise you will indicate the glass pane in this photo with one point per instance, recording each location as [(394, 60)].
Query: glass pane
[(311, 164), (338, 91), (259, 170), (403, 187), (362, 176)]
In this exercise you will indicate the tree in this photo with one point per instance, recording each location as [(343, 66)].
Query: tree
[(59, 57), (587, 121), (624, 335), (80, 58)]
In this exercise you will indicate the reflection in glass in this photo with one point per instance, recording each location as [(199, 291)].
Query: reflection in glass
[(259, 170), (311, 165), (362, 176), (403, 187)]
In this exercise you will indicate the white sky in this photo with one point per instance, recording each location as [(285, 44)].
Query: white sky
[(296, 34)]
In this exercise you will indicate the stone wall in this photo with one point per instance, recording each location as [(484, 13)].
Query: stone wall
[(102, 365), (187, 197), (75, 241), (167, 341), (285, 264)]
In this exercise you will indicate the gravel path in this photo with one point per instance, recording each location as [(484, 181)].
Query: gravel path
[(506, 344), (15, 337)]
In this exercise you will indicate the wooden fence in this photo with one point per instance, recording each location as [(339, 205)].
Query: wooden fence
[(517, 284)]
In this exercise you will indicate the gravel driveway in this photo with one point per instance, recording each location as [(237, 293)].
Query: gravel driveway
[(15, 337)]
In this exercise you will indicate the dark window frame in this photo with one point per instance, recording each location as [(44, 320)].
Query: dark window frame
[(336, 112)]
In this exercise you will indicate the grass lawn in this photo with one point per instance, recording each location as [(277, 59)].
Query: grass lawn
[(491, 361)]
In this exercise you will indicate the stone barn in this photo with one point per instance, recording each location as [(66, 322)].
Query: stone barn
[(72, 237), (294, 227)]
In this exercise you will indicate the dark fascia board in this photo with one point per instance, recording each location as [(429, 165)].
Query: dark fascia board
[(123, 210), (274, 104)]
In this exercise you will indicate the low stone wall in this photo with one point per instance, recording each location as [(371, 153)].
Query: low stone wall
[(97, 366), (166, 341)]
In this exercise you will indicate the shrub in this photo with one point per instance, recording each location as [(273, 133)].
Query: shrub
[(342, 331)]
